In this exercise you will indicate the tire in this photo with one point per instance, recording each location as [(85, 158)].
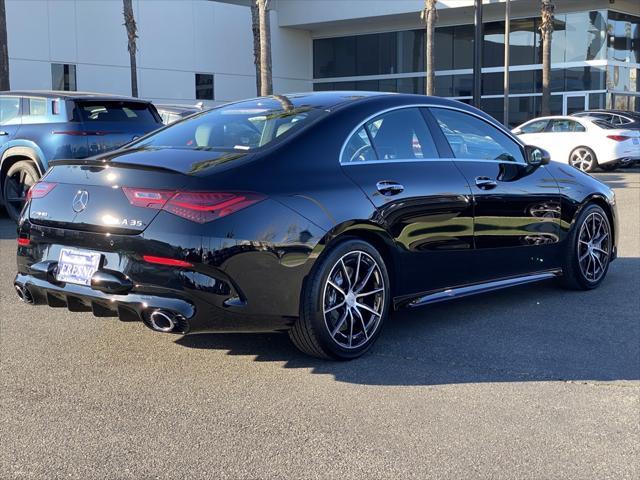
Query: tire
[(583, 159), (586, 261), (333, 324), (20, 177)]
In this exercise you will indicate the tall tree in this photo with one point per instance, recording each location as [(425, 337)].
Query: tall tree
[(4, 50), (429, 16), (266, 82), (546, 31), (255, 30), (132, 35)]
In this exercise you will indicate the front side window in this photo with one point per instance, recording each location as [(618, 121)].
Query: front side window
[(9, 109), (238, 126), (472, 138), (534, 127)]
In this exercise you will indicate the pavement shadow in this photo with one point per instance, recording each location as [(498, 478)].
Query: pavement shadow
[(8, 229), (537, 332), (618, 179)]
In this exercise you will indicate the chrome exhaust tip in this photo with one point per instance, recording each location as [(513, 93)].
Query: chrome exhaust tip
[(24, 294), (162, 321)]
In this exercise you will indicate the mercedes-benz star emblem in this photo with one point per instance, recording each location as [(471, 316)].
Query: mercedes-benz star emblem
[(80, 201)]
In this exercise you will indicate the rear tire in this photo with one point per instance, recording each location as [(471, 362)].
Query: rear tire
[(344, 302), (589, 247), (19, 178), (583, 159)]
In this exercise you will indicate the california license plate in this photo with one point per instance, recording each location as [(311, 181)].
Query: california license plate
[(77, 266)]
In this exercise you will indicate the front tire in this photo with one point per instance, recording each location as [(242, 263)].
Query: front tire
[(583, 159), (19, 179), (589, 248), (344, 302)]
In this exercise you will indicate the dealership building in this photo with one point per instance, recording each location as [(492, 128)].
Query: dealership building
[(202, 50)]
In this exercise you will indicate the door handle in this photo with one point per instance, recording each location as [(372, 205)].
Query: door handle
[(388, 188), (486, 183), (2, 132)]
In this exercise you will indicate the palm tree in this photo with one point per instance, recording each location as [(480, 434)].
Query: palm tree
[(546, 31), (429, 16), (132, 35), (266, 82), (255, 29), (4, 50)]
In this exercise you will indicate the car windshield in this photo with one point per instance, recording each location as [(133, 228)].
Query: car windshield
[(239, 126), (115, 111)]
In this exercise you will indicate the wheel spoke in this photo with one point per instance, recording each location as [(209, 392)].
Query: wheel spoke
[(350, 328), (362, 284), (344, 272), (364, 327), (377, 290), (335, 307), (340, 322), (355, 278), (367, 308), (337, 288)]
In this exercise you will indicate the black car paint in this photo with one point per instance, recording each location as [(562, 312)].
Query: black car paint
[(250, 267)]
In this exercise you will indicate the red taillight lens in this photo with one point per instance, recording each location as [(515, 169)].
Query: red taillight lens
[(146, 197), (198, 207), (40, 189), (204, 207), (171, 262), (24, 242), (618, 138)]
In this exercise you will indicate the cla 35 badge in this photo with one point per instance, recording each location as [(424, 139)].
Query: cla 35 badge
[(80, 201)]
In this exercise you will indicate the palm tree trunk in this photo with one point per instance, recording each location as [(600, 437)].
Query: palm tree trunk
[(546, 31), (4, 50), (429, 17), (255, 29), (266, 85), (132, 35)]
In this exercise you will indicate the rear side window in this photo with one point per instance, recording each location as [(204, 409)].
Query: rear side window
[(472, 138), (398, 135), (562, 125), (9, 109), (37, 106), (534, 127), (91, 112)]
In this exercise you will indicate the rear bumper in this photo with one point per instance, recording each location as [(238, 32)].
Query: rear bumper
[(193, 315)]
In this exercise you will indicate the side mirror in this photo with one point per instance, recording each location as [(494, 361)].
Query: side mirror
[(536, 156), (516, 131)]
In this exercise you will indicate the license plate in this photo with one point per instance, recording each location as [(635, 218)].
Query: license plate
[(77, 266)]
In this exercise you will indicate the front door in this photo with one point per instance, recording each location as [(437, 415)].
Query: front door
[(517, 206), (422, 200)]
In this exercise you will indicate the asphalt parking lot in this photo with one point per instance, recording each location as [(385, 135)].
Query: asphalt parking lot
[(533, 382)]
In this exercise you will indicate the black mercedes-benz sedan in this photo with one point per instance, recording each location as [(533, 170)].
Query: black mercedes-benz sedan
[(315, 213)]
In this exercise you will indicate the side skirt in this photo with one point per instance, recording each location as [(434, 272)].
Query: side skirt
[(467, 290)]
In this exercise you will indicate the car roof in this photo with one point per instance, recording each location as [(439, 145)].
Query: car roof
[(67, 95), (178, 108)]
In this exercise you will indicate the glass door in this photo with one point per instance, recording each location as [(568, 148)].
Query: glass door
[(574, 102)]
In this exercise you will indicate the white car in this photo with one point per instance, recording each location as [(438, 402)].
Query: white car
[(583, 142)]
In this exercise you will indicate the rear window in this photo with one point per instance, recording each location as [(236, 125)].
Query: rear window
[(237, 127), (115, 112)]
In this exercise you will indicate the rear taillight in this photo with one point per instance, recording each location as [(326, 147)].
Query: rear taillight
[(40, 189), (147, 198), (200, 207), (618, 138), (24, 242)]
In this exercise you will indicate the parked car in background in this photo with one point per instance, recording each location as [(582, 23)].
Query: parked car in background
[(585, 143), (618, 118), (315, 213), (39, 126), (173, 113)]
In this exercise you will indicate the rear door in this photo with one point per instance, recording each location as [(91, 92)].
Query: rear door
[(564, 135), (110, 124), (517, 206), (423, 201)]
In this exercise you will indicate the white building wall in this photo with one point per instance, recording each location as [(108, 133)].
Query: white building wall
[(176, 40)]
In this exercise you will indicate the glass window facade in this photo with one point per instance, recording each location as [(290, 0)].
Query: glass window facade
[(578, 38), (204, 86), (63, 77)]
